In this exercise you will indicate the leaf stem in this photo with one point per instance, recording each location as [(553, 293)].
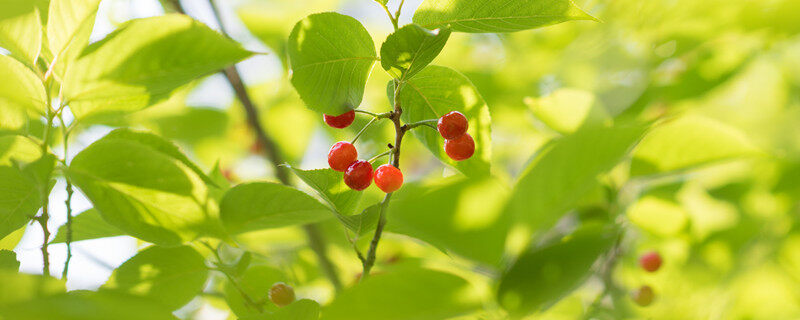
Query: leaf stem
[(271, 151)]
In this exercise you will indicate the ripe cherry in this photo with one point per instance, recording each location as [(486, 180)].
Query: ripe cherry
[(341, 121), (342, 155), (453, 125), (281, 294), (460, 148), (358, 175), (643, 296), (388, 178), (650, 261)]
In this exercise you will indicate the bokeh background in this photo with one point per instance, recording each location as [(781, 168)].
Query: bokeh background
[(727, 231)]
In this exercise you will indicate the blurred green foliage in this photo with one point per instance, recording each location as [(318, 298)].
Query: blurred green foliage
[(669, 125)]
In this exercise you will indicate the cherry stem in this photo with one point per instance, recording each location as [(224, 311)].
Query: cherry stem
[(380, 156), (384, 115), (363, 129), (427, 123)]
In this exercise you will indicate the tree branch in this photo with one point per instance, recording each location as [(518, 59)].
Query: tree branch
[(400, 131), (271, 151)]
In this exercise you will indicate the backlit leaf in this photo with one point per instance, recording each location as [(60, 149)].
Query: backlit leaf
[(331, 56), (479, 16), (264, 205), (143, 62), (411, 48), (544, 275), (171, 276)]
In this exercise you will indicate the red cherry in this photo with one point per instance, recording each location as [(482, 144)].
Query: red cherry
[(460, 148), (281, 294), (342, 155), (388, 178), (358, 175), (341, 121), (453, 125), (650, 261), (643, 296)]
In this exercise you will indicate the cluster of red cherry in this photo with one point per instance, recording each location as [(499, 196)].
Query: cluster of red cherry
[(358, 174), (650, 262)]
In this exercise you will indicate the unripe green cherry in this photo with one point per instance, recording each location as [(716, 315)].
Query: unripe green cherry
[(643, 296), (281, 294)]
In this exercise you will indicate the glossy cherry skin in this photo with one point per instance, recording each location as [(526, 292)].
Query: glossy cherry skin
[(643, 296), (650, 261), (341, 121), (452, 125), (358, 175), (281, 294), (388, 178), (461, 148), (342, 155)]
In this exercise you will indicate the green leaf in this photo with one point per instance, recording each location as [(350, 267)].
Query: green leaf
[(264, 205), (561, 174), (8, 260), (687, 143), (330, 186), (344, 202), (10, 241), (143, 62), (383, 2), (24, 178), (69, 27), (88, 305), (407, 293), (21, 30), (255, 282), (460, 216), (363, 222), (21, 88), (158, 144), (411, 48), (567, 110), (67, 20), (143, 186), (432, 93), (87, 226), (543, 276), (481, 16), (171, 276), (20, 287), (331, 56)]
